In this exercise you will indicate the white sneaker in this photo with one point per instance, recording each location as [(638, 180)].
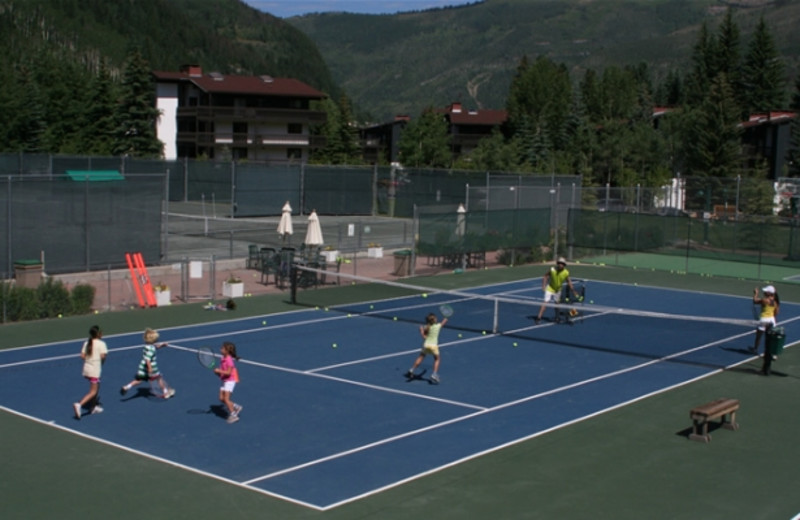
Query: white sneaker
[(232, 418), (77, 408), (170, 392), (237, 408), (97, 409)]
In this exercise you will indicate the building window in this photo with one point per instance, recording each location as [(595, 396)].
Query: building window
[(239, 127), (295, 128)]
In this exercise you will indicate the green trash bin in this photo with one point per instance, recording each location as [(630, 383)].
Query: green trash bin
[(402, 262), (776, 337)]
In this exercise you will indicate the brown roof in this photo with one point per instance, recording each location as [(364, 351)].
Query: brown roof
[(233, 84), (478, 117)]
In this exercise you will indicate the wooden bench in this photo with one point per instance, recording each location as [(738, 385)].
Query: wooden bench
[(701, 415)]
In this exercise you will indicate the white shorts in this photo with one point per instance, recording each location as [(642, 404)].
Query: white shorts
[(551, 296), (228, 386), (763, 323)]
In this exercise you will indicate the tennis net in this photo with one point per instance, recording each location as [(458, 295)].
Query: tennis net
[(506, 310)]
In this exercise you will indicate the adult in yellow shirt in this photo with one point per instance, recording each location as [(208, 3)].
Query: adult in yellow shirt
[(551, 285)]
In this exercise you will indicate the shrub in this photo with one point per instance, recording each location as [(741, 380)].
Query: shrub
[(54, 299), (22, 304), (82, 299)]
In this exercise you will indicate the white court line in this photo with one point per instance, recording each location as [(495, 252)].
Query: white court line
[(484, 411), (146, 455)]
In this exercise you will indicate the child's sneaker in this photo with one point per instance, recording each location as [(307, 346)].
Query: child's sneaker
[(435, 379), (77, 408), (169, 393), (232, 418), (410, 374), (97, 409), (237, 408), (123, 391)]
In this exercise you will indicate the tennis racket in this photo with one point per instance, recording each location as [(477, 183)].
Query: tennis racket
[(206, 357), (446, 310)]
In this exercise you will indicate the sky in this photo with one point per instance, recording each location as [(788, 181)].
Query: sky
[(287, 8)]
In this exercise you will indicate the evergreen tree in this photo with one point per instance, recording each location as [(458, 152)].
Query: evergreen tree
[(703, 67), (728, 59), (98, 134), (763, 74), (794, 150), (27, 115), (136, 113), (714, 138), (425, 142)]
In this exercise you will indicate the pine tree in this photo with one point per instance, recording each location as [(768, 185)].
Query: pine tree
[(98, 134), (425, 142), (714, 137), (763, 73), (136, 113)]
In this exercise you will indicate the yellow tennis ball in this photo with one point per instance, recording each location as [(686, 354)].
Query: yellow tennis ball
[(326, 309), (96, 311), (59, 316), (264, 322), (349, 315), (335, 345), (395, 318), (459, 335), (484, 332), (424, 295), (371, 306), (515, 343)]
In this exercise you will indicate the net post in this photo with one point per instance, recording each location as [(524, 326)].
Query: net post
[(293, 275), (496, 316)]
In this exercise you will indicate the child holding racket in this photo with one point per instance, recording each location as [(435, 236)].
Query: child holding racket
[(148, 367), (430, 333), (770, 306), (93, 354), (229, 375)]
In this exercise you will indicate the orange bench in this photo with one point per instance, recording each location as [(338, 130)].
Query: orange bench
[(724, 409)]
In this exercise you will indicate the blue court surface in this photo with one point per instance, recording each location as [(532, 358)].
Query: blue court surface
[(328, 415)]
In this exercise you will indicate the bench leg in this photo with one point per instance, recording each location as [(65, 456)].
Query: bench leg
[(730, 424), (702, 437)]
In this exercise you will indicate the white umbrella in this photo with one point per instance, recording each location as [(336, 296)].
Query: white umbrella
[(285, 225), (461, 221), (314, 232)]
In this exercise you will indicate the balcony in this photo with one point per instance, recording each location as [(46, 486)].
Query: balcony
[(252, 115), (242, 140)]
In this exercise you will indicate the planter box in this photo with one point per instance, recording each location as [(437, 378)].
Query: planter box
[(163, 298), (233, 290), (330, 256), (375, 252)]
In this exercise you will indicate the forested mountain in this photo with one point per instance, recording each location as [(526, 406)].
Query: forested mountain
[(220, 35), (399, 64)]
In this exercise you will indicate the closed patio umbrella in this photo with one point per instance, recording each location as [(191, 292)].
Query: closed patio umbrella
[(314, 232), (285, 225)]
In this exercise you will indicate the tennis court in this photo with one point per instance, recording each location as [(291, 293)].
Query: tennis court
[(330, 422)]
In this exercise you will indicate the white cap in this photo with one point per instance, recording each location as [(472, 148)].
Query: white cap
[(561, 260), (768, 289)]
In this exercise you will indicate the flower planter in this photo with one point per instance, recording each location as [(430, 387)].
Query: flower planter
[(163, 297), (330, 256), (233, 290), (375, 252)]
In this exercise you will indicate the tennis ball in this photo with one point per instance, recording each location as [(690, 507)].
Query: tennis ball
[(591, 301), (59, 316), (515, 343), (335, 345), (424, 295), (96, 311), (395, 318), (264, 322), (371, 306), (326, 309), (459, 335), (484, 332), (349, 315)]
